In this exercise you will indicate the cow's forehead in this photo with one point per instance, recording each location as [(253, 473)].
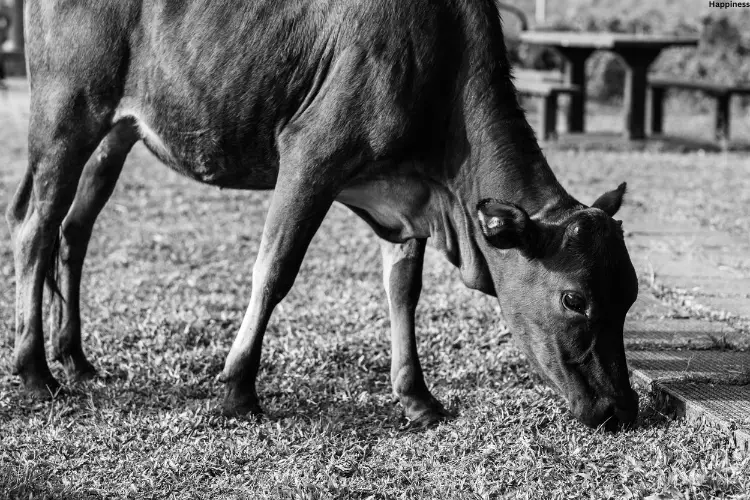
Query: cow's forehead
[(592, 222), (592, 244)]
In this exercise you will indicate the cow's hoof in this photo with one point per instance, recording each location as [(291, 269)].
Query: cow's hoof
[(42, 386), (425, 415), (78, 368), (240, 404)]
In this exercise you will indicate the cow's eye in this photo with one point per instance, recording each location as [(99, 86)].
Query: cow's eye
[(574, 302)]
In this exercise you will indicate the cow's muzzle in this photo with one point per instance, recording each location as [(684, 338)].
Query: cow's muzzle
[(610, 413)]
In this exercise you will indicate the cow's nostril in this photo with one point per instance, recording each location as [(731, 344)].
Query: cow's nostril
[(608, 413), (620, 414)]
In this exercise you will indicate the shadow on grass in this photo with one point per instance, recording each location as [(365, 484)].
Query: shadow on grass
[(347, 397), (34, 484)]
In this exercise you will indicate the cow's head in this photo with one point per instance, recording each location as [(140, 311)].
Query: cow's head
[(565, 287)]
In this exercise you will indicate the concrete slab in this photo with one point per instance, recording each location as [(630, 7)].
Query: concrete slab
[(666, 264), (725, 406), (649, 307), (680, 237), (682, 333), (736, 258), (738, 306), (657, 228), (708, 285), (726, 367)]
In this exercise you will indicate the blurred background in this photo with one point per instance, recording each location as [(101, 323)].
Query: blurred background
[(721, 56)]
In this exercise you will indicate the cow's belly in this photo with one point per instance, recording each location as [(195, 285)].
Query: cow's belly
[(198, 149)]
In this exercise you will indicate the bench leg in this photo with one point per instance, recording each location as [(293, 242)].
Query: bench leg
[(636, 84), (548, 117), (575, 74), (657, 110), (722, 117)]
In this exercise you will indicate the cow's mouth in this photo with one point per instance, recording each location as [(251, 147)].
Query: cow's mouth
[(610, 412)]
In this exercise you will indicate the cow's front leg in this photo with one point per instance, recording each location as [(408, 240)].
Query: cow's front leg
[(402, 278), (294, 216)]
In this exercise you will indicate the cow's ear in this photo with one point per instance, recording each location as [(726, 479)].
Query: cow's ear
[(506, 225), (610, 202)]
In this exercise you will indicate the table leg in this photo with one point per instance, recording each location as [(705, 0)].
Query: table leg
[(657, 110), (636, 83), (722, 116), (575, 74)]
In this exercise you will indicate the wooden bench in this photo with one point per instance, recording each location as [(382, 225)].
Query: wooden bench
[(537, 75), (545, 85), (547, 93), (722, 94)]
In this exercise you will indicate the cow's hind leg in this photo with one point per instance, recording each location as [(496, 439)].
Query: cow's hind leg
[(62, 135), (94, 189), (402, 278)]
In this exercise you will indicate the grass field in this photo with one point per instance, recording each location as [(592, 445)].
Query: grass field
[(166, 284)]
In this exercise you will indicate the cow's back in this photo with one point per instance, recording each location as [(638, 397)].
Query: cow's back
[(211, 84)]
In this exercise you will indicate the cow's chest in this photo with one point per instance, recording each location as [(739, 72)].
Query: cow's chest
[(397, 207)]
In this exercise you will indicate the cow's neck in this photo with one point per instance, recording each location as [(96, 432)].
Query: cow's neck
[(499, 158)]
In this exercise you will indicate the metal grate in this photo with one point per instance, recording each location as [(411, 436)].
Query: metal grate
[(729, 402), (684, 366), (675, 333)]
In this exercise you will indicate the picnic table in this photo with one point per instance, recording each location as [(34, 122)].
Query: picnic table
[(637, 51)]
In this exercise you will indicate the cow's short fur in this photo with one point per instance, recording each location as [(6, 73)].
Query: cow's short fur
[(404, 111)]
